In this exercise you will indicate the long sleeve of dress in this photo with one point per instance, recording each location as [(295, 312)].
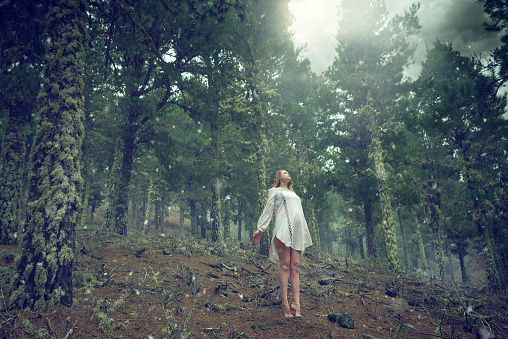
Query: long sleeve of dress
[(266, 216)]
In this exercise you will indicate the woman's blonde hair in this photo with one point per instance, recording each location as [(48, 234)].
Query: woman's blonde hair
[(277, 180)]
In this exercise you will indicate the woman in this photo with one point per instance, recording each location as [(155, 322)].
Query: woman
[(290, 237)]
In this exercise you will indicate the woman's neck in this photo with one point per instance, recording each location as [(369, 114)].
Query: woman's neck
[(283, 185)]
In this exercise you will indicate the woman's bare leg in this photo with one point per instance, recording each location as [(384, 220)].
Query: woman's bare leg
[(295, 259), (285, 259)]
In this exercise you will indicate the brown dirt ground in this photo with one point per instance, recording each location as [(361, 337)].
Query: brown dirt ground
[(123, 291)]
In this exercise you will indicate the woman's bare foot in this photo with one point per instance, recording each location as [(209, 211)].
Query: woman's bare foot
[(287, 310), (296, 308)]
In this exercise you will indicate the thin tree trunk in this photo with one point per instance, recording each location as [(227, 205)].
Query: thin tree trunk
[(462, 254), (114, 173), (182, 214), (239, 221), (149, 205), (262, 193), (404, 241), (227, 213), (12, 164), (360, 245), (215, 208), (423, 265), (193, 217), (202, 220), (435, 225), (159, 217), (369, 230)]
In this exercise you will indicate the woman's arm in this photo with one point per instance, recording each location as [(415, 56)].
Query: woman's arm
[(266, 216)]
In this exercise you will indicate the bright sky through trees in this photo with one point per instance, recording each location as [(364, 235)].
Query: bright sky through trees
[(457, 21), (316, 25)]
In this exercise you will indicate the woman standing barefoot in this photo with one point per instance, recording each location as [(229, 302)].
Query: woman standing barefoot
[(290, 237)]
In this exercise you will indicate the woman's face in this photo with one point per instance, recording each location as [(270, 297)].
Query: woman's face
[(285, 177)]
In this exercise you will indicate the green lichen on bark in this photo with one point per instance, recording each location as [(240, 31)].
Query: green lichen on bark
[(262, 193), (376, 155), (150, 196), (422, 257), (435, 217), (482, 210), (121, 207), (109, 221), (215, 212), (44, 263), (12, 161)]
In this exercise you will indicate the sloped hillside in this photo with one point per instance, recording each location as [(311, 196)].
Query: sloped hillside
[(172, 286)]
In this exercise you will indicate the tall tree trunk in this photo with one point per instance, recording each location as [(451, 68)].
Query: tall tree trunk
[(360, 245), (386, 205), (423, 264), (404, 241), (182, 214), (480, 211), (12, 166), (202, 220), (462, 253), (215, 209), (114, 173), (369, 230), (44, 264), (149, 205), (159, 216), (227, 213), (262, 193), (122, 202), (434, 214), (239, 221), (193, 218)]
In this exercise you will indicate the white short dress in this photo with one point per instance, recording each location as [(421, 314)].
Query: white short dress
[(290, 225)]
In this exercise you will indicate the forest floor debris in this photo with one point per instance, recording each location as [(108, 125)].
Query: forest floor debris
[(179, 287)]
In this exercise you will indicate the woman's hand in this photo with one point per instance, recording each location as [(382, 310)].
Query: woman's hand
[(256, 237)]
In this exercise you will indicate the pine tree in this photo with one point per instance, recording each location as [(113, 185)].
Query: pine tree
[(44, 263), (463, 109), (21, 46), (366, 80)]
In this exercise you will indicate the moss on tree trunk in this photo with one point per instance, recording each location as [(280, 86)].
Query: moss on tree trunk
[(44, 263), (121, 207), (421, 247), (386, 205), (215, 209), (435, 225), (12, 164), (369, 230), (262, 193)]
